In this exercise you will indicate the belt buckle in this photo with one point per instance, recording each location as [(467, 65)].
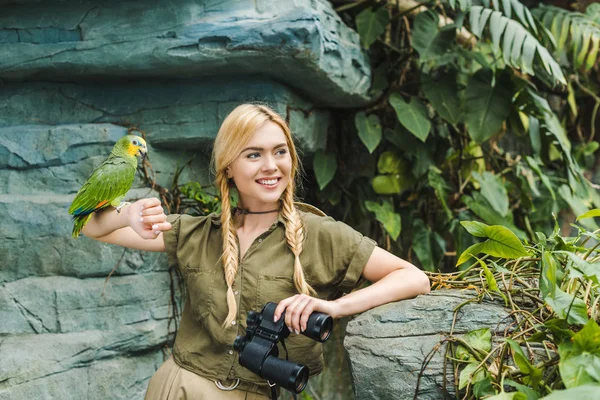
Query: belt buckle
[(228, 388)]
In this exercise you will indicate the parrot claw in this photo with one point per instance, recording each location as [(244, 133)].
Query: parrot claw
[(121, 205)]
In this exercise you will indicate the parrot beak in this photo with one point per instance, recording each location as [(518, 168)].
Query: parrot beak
[(142, 152)]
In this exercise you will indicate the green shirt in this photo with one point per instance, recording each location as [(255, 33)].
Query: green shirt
[(333, 258)]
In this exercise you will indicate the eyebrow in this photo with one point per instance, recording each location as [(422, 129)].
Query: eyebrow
[(262, 148)]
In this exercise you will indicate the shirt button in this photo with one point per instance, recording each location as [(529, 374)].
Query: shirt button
[(236, 292), (230, 351), (259, 240), (232, 322)]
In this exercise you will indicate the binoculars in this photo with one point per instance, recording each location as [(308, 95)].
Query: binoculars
[(259, 352)]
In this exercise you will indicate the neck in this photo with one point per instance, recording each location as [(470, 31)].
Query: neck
[(255, 219)]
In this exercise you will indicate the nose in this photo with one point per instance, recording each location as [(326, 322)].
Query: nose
[(269, 163)]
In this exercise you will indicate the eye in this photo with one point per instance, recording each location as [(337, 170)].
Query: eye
[(253, 155), (135, 142), (281, 151)]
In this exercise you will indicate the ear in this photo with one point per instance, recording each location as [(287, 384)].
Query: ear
[(228, 171)]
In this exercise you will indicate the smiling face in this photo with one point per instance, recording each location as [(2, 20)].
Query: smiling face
[(263, 169)]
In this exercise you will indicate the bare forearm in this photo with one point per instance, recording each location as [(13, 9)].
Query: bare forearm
[(106, 221), (397, 285)]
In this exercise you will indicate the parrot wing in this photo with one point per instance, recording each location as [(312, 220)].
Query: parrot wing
[(111, 180)]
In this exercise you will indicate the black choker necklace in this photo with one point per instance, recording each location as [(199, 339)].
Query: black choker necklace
[(244, 211)]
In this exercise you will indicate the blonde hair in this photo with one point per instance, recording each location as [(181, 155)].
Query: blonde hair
[(235, 132)]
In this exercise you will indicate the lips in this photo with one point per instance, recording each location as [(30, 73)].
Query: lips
[(269, 182)]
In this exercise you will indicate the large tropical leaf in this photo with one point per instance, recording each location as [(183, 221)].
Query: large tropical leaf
[(370, 24), (369, 130), (487, 105), (442, 92), (430, 41), (501, 242), (575, 33), (324, 165), (412, 115), (519, 46)]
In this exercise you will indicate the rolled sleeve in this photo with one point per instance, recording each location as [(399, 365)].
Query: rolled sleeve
[(171, 238), (357, 264), (336, 255)]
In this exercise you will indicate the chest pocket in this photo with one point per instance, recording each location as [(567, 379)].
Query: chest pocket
[(273, 288), (200, 284)]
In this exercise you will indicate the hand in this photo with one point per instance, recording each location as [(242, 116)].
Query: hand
[(299, 307), (147, 218)]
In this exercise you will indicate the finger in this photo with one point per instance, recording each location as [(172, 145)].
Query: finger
[(152, 211), (164, 226), (308, 310), (293, 311), (281, 307), (151, 202), (153, 219), (298, 312)]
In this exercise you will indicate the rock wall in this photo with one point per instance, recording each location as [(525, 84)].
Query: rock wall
[(74, 75)]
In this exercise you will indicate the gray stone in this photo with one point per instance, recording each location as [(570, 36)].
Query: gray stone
[(387, 345), (117, 378), (174, 115), (302, 43), (60, 304), (28, 357)]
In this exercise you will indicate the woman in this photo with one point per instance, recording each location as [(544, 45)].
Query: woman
[(268, 249)]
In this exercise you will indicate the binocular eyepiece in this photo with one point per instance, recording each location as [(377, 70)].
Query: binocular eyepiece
[(259, 352)]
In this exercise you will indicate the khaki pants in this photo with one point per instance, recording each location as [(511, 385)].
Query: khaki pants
[(171, 382)]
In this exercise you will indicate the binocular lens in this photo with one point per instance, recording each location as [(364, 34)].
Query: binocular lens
[(286, 374), (319, 326)]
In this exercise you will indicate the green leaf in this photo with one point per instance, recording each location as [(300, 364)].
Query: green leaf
[(545, 180), (529, 392), (580, 357), (590, 214), (480, 206), (387, 184), (493, 190), (588, 269), (577, 205), (508, 396), (412, 115), (390, 163), (589, 391), (487, 105), (470, 374), (469, 252), (480, 339), (562, 302), (428, 39), (369, 130), (534, 374), (324, 165), (385, 214), (436, 181), (442, 92), (502, 242), (428, 246), (370, 24)]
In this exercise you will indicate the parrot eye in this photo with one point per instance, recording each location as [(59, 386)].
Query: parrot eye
[(135, 142)]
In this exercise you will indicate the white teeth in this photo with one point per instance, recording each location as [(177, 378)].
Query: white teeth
[(268, 182)]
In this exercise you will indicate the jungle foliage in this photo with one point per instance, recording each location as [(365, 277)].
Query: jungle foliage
[(483, 126)]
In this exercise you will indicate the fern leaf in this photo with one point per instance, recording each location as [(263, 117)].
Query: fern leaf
[(577, 34), (519, 46)]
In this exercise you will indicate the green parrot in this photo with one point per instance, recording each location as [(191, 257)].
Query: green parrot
[(109, 183)]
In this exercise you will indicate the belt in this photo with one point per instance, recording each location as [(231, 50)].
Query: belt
[(237, 384)]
